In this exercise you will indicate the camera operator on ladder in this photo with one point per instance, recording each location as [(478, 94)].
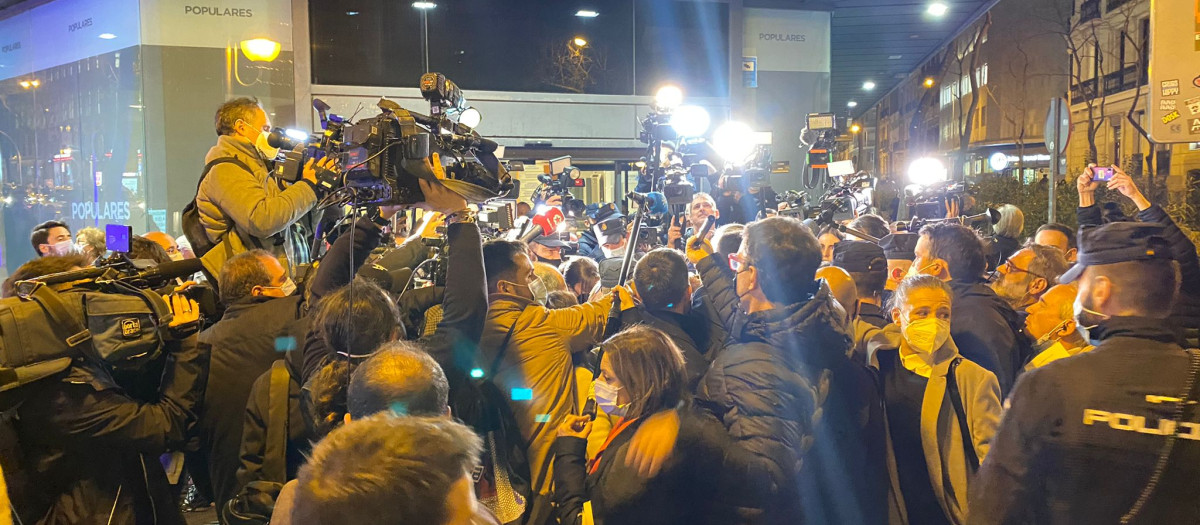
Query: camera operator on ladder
[(238, 195)]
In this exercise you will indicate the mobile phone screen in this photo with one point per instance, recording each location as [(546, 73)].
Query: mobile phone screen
[(1102, 174)]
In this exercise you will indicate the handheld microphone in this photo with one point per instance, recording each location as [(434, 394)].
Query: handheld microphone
[(709, 222), (655, 202), (545, 224)]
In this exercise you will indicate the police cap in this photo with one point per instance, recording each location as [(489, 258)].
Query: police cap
[(1118, 242)]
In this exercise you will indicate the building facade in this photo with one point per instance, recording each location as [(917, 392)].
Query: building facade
[(1019, 63), (1109, 47)]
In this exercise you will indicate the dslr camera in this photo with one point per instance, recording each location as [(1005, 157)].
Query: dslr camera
[(558, 180)]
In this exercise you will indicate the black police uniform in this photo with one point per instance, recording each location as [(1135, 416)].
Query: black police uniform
[(1082, 435)]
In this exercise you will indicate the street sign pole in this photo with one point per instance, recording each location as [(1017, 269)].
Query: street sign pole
[(1058, 133)]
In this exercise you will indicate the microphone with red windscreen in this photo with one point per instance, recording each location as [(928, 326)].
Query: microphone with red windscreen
[(545, 224)]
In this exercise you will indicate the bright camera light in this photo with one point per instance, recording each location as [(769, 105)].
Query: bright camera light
[(470, 118), (668, 97), (297, 135), (998, 161), (734, 141), (926, 171), (690, 121), (937, 9)]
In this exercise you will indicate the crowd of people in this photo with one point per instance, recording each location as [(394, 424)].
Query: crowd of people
[(772, 371)]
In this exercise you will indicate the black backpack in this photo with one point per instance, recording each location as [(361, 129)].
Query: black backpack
[(255, 502), (193, 229)]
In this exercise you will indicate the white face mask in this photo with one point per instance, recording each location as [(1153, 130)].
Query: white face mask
[(606, 399), (263, 147), (62, 248), (913, 271), (926, 335)]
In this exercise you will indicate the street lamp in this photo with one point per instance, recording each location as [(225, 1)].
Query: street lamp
[(928, 82), (424, 7), (579, 41)]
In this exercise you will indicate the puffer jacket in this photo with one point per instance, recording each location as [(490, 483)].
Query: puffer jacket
[(258, 206), (988, 331), (767, 386)]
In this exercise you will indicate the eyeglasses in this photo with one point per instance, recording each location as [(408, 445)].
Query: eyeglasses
[(737, 262), (1008, 267)]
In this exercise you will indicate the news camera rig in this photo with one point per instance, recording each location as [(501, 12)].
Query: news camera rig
[(383, 157)]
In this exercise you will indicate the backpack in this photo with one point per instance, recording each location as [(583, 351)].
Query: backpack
[(254, 503), (42, 331), (193, 229)]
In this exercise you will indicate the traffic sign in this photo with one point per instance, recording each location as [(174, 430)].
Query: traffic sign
[(1058, 126), (1173, 106)]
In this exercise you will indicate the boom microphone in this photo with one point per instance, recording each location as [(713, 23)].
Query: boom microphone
[(169, 270), (545, 224), (654, 202)]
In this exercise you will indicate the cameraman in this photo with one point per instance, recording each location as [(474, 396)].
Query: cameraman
[(240, 196), (93, 448)]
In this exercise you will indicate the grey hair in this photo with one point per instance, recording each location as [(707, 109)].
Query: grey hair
[(1012, 221), (241, 108), (1048, 262), (919, 282)]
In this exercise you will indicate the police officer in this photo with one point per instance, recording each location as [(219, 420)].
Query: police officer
[(1082, 436)]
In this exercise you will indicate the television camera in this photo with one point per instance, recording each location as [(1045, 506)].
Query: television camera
[(558, 181), (383, 157), (932, 201)]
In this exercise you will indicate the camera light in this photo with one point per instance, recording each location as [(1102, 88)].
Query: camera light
[(260, 49), (690, 121), (470, 118), (733, 141), (998, 161), (668, 97), (296, 134), (926, 171)]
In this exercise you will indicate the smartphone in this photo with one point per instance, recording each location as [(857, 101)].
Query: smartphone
[(1102, 174)]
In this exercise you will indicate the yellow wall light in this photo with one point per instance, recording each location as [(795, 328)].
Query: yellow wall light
[(260, 49)]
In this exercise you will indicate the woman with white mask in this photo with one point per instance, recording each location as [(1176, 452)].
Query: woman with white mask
[(941, 409)]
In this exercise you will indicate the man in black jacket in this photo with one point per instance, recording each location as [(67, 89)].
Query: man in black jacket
[(1110, 435), (1186, 317), (93, 449), (785, 363), (660, 281), (265, 317), (985, 327)]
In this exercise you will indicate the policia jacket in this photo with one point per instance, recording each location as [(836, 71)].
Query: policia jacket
[(1082, 435)]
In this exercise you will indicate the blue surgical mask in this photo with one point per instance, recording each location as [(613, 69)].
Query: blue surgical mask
[(606, 399)]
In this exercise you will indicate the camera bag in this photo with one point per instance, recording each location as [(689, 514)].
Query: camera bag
[(193, 229), (43, 330)]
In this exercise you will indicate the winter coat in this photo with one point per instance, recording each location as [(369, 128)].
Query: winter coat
[(690, 332), (252, 452), (768, 386), (999, 248), (941, 438), (536, 372), (682, 493), (256, 205), (93, 450), (1186, 315), (1081, 436), (243, 344), (988, 332)]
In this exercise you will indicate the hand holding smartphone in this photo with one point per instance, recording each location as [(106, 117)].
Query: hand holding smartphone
[(1102, 174)]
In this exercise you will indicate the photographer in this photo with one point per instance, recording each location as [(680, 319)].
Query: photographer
[(93, 448), (241, 204), (1186, 316)]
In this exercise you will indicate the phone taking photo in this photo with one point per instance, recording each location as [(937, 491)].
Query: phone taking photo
[(1102, 174)]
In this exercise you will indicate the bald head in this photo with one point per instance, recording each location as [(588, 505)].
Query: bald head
[(842, 286), (549, 276), (167, 243)]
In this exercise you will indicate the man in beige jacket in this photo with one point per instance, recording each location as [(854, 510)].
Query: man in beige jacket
[(527, 351)]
